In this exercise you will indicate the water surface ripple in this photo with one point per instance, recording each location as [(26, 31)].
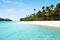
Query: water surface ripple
[(15, 31)]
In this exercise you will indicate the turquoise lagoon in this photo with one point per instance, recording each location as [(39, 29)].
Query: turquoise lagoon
[(17, 31)]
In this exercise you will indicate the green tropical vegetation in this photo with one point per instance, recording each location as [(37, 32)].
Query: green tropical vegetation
[(48, 13), (2, 19)]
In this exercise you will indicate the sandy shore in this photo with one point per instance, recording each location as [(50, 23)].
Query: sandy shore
[(45, 23)]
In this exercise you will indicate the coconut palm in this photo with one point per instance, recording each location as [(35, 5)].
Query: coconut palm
[(58, 5), (43, 8), (34, 10), (52, 6), (34, 13), (47, 9)]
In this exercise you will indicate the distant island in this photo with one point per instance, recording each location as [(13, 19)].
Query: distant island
[(48, 13), (3, 19)]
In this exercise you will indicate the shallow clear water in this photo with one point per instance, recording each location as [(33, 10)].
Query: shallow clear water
[(16, 31)]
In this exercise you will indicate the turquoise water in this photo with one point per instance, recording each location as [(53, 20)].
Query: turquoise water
[(16, 31)]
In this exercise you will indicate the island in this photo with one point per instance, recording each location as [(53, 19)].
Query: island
[(48, 13), (5, 19)]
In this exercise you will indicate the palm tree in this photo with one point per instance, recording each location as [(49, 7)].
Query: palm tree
[(34, 12), (47, 8), (39, 13), (49, 11), (57, 10), (43, 8), (58, 5), (52, 6)]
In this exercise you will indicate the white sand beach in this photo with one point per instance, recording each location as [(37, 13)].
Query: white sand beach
[(45, 23)]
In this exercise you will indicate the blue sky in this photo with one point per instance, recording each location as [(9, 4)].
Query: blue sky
[(15, 9)]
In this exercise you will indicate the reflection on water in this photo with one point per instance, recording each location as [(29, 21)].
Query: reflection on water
[(15, 31)]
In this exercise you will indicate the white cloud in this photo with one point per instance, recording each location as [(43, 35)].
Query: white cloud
[(18, 3), (13, 2), (10, 10), (22, 10)]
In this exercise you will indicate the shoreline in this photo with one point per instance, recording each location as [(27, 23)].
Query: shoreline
[(44, 23)]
